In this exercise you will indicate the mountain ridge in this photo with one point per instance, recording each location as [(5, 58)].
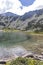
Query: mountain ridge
[(30, 20), (9, 14)]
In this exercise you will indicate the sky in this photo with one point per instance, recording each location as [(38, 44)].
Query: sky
[(20, 7), (26, 2)]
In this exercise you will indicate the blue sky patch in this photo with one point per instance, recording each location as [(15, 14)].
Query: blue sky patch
[(26, 2)]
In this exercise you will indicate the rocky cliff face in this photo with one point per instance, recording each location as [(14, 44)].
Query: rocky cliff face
[(29, 21)]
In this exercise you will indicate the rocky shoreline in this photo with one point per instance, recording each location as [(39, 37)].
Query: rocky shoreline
[(13, 53)]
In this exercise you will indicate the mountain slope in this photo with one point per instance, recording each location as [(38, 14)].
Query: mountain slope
[(32, 20)]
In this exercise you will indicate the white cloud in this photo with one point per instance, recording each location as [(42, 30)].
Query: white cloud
[(5, 5), (14, 6), (38, 4)]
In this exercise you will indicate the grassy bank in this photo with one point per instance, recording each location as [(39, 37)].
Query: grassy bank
[(24, 61), (28, 32)]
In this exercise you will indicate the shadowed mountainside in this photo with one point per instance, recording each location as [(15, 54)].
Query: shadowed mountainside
[(32, 20)]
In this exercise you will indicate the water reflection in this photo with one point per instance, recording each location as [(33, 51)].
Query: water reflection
[(8, 38)]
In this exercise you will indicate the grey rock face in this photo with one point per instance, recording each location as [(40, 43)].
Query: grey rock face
[(31, 20)]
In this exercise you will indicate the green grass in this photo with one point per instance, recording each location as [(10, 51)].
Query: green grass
[(24, 61)]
